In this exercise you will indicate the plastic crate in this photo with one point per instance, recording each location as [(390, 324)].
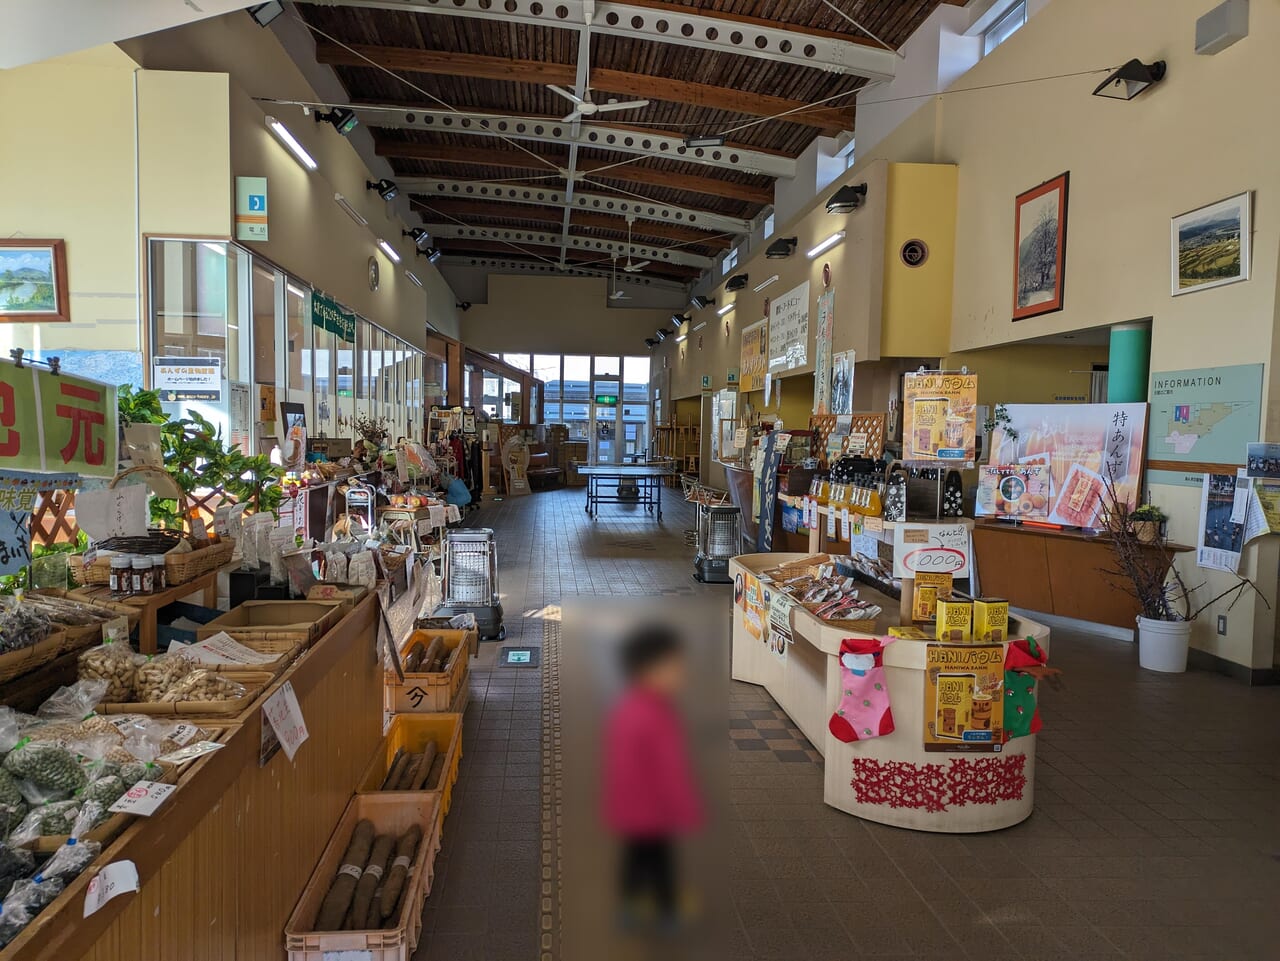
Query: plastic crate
[(390, 814), (422, 693), (166, 633), (412, 733)]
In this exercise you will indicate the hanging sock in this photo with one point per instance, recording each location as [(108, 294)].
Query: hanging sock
[(864, 710), (1024, 664)]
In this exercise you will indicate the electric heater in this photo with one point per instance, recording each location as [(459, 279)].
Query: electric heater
[(719, 538), (471, 580)]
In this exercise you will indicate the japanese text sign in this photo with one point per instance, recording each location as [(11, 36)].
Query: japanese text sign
[(931, 549), (57, 422)]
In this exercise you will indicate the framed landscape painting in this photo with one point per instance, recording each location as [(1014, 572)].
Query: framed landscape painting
[(33, 280), (1211, 245), (1040, 253)]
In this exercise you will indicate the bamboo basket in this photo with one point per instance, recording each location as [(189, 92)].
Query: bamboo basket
[(24, 661), (286, 650), (179, 569), (92, 633), (254, 682)]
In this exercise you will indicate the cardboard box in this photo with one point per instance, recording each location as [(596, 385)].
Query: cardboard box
[(910, 634), (924, 599), (991, 619), (955, 620)]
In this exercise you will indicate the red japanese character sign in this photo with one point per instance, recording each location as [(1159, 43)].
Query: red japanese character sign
[(19, 419), (79, 424)]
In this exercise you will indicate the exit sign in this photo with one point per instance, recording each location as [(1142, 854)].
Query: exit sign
[(607, 400)]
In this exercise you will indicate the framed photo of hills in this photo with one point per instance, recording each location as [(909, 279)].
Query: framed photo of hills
[(1211, 245), (33, 280), (1040, 248)]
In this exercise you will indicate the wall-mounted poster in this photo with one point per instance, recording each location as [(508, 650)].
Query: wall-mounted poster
[(789, 330), (1203, 416), (842, 382), (1013, 490), (755, 356), (1211, 245), (964, 697), (1040, 248), (1081, 445), (822, 395), (940, 419)]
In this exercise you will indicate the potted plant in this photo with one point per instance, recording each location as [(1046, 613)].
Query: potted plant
[(1148, 523), (1146, 570)]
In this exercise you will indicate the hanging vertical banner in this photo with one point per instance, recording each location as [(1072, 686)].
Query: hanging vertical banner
[(20, 447), (842, 383), (755, 357), (57, 422), (964, 697), (789, 330), (940, 419), (822, 372), (774, 446), (19, 492)]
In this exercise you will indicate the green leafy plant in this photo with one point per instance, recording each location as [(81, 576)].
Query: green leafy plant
[(1000, 419), (139, 406), (1149, 512), (10, 583), (253, 480)]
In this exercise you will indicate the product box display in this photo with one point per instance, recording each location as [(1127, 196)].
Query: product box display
[(955, 620), (990, 619), (928, 588)]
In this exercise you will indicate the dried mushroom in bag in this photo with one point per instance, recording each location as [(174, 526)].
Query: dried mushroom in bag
[(77, 854), (205, 686), (15, 864), (115, 663)]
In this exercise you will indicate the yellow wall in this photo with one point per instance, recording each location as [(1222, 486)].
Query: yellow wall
[(917, 300), (560, 315), (794, 405), (71, 176), (1029, 373)]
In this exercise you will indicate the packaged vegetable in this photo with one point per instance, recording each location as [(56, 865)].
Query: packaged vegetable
[(46, 765), (77, 854), (24, 901), (13, 806), (15, 864)]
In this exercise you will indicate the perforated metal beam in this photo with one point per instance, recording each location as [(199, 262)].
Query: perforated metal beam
[(596, 245), (600, 136), (495, 263), (721, 34), (547, 197)]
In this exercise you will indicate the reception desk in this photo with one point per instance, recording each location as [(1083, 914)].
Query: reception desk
[(890, 779)]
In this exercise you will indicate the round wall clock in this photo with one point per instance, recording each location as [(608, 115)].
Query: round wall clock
[(375, 274), (914, 253)]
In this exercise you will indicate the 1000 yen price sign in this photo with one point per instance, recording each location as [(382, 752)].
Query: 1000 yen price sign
[(285, 717)]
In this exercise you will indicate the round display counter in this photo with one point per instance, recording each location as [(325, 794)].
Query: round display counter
[(925, 773)]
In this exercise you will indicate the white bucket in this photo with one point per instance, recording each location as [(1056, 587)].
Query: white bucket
[(1162, 645)]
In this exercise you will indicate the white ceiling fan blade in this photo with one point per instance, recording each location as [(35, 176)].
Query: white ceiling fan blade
[(576, 115), (628, 105), (633, 268), (567, 94)]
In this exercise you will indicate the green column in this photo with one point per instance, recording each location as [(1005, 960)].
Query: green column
[(1129, 364)]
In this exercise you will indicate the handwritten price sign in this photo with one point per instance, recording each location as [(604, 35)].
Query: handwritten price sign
[(120, 877), (931, 549), (285, 717)]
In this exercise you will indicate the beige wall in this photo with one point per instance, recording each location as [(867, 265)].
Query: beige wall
[(558, 315), (71, 176)]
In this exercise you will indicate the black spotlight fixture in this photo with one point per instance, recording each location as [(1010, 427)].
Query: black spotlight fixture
[(1130, 80), (464, 306), (737, 282), (663, 333), (344, 121), (387, 189), (264, 13), (782, 248), (431, 253), (847, 199), (679, 320), (701, 303), (421, 239), (650, 343)]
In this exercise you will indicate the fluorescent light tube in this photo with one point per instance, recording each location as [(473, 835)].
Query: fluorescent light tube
[(699, 327), (389, 251), (682, 338), (725, 309), (286, 138), (760, 287), (826, 244), (354, 214), (413, 277)]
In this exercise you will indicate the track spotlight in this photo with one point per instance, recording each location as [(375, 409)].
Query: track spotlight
[(700, 303), (847, 199), (650, 343), (737, 282), (679, 320), (782, 248), (264, 13), (662, 333), (387, 189), (344, 121), (421, 238), (464, 306), (431, 253)]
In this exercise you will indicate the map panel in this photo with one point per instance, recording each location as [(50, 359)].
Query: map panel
[(1206, 415)]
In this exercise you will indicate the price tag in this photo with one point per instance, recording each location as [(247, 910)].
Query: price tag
[(190, 752), (831, 522), (804, 508), (284, 715), (116, 629), (845, 534), (859, 525), (119, 877), (143, 798), (874, 525)]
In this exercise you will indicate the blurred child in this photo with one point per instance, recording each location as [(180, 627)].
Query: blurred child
[(649, 797)]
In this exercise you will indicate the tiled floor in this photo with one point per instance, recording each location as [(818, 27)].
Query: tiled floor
[(1156, 833)]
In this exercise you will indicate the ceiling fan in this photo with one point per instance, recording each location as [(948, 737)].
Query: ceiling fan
[(630, 267), (585, 107), (617, 294)]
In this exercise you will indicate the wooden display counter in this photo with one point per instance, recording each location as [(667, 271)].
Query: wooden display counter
[(206, 585), (890, 779), (1055, 572), (224, 859)]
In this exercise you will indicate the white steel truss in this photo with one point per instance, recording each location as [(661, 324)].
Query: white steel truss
[(599, 136), (690, 28), (605, 248), (591, 202), (549, 267)]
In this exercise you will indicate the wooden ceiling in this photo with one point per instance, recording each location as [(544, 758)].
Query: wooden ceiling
[(477, 60)]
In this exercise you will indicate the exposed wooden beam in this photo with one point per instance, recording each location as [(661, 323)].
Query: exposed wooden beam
[(831, 120), (463, 209), (628, 173)]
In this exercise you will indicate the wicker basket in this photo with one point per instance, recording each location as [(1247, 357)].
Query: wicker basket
[(285, 649), (179, 569), (24, 661), (253, 681)]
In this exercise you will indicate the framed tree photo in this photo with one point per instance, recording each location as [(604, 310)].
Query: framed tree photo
[(1040, 251), (33, 280)]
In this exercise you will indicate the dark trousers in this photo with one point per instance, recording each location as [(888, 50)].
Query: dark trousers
[(648, 869)]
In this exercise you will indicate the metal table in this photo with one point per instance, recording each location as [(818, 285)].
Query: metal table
[(604, 482)]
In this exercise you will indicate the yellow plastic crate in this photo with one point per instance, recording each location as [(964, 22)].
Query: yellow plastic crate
[(423, 693), (412, 733)]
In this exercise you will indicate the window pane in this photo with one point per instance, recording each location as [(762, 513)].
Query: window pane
[(298, 374), (511, 402), (608, 366), (574, 393), (1005, 27), (519, 361), (546, 367)]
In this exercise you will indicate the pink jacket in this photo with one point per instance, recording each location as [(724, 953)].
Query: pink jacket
[(649, 789)]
